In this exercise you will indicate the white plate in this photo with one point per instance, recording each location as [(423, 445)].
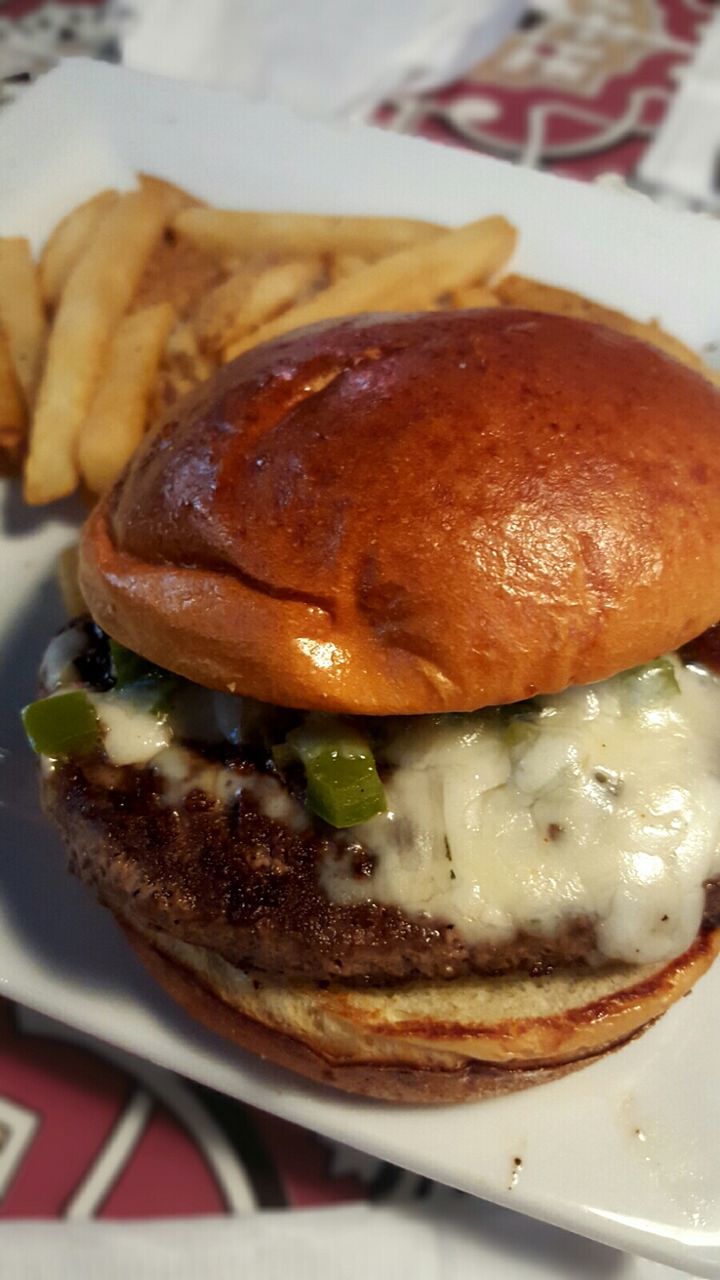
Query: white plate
[(624, 1152)]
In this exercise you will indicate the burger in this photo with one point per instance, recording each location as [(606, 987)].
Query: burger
[(391, 737)]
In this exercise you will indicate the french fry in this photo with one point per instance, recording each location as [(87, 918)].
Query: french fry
[(475, 295), (182, 367), (66, 571), (346, 264), (13, 417), (67, 242), (227, 231), (217, 310), (520, 291), (175, 197), (406, 281), (241, 303), (179, 273), (118, 414), (21, 311), (182, 346), (97, 293), (217, 283)]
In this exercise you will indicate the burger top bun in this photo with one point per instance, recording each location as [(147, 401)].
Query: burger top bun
[(409, 514)]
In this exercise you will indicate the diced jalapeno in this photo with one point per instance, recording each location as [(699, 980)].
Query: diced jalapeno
[(132, 671), (343, 786), (283, 755), (651, 683), (130, 668), (64, 726), (520, 731), (343, 789)]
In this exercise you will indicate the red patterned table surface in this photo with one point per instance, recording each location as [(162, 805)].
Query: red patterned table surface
[(84, 1135), (81, 1133), (580, 91)]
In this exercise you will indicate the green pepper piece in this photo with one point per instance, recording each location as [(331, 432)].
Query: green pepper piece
[(343, 786), (344, 789), (282, 755), (132, 671), (130, 668), (653, 682), (520, 731), (63, 726)]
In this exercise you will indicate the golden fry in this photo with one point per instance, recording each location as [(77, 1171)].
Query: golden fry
[(475, 295), (21, 311), (118, 414), (66, 570), (182, 345), (242, 303), (217, 283), (175, 197), (227, 231), (13, 417), (218, 309), (67, 242), (408, 281), (97, 293), (520, 291), (346, 264), (182, 367), (178, 273)]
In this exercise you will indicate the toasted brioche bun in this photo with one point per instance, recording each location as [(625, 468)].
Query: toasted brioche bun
[(428, 1041), (419, 514)]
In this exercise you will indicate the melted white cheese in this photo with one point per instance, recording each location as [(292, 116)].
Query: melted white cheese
[(607, 807), (135, 735), (132, 734), (183, 771), (56, 669)]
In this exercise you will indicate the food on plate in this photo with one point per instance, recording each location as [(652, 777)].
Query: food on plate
[(67, 579), (390, 735), (13, 413), (475, 295), (409, 280), (21, 311), (228, 232), (117, 415), (233, 278), (245, 301), (67, 241), (98, 290), (346, 264), (519, 291)]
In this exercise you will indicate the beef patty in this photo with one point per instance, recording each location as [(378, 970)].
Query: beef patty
[(228, 878)]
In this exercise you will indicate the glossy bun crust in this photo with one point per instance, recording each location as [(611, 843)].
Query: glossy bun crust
[(419, 514)]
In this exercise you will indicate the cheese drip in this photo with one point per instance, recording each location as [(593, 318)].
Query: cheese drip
[(603, 805)]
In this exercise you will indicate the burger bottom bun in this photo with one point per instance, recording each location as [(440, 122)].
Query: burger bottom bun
[(429, 1041)]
